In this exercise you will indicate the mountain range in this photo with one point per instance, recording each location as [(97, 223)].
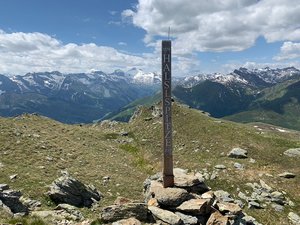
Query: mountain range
[(74, 98), (244, 95), (258, 95)]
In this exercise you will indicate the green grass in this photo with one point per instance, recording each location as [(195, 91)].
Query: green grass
[(90, 152)]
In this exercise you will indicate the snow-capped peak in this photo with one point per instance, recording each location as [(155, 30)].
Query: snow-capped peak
[(140, 77)]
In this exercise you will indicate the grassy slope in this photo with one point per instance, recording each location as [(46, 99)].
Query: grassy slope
[(91, 152), (279, 105)]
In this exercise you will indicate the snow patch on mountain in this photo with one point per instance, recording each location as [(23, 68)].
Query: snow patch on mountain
[(138, 76), (244, 76)]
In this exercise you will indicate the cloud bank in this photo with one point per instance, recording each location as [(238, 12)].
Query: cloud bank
[(217, 25), (33, 52)]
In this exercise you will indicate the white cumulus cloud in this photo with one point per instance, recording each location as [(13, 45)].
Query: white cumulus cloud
[(289, 50), (217, 25), (32, 52)]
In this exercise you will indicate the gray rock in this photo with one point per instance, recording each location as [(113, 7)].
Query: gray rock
[(252, 160), (278, 198), (241, 195), (294, 218), (13, 177), (182, 179), (255, 205), (129, 221), (57, 216), (71, 210), (292, 152), (187, 219), (117, 212), (238, 153), (220, 167), (11, 199), (69, 190), (244, 219), (214, 175), (30, 203), (195, 206), (165, 215), (167, 196), (287, 175), (229, 208), (223, 196), (277, 207), (4, 187), (238, 166), (264, 186)]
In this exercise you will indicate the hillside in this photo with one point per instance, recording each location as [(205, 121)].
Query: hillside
[(37, 149), (278, 105)]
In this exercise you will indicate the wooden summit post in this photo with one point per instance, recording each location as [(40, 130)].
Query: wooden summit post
[(168, 176)]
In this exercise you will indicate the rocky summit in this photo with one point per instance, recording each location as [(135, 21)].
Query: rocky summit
[(191, 203)]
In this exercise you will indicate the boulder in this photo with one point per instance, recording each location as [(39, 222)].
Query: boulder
[(229, 208), (167, 196), (195, 207), (238, 153), (165, 215), (294, 218), (292, 152), (11, 200), (182, 179), (217, 218), (187, 219), (117, 212), (69, 190)]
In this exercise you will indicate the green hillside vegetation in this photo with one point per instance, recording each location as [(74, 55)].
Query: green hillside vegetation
[(278, 105), (214, 98), (37, 149), (126, 112)]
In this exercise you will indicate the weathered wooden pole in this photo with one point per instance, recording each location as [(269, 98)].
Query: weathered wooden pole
[(168, 176)]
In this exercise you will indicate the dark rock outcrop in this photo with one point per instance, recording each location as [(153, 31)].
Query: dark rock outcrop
[(69, 190)]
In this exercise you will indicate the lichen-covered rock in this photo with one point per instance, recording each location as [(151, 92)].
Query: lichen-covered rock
[(195, 207), (165, 215), (167, 196), (117, 212), (69, 190), (187, 219)]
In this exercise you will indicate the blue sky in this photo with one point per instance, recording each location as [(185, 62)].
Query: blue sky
[(208, 35)]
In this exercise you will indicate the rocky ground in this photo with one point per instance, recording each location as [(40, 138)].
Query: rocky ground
[(190, 201)]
